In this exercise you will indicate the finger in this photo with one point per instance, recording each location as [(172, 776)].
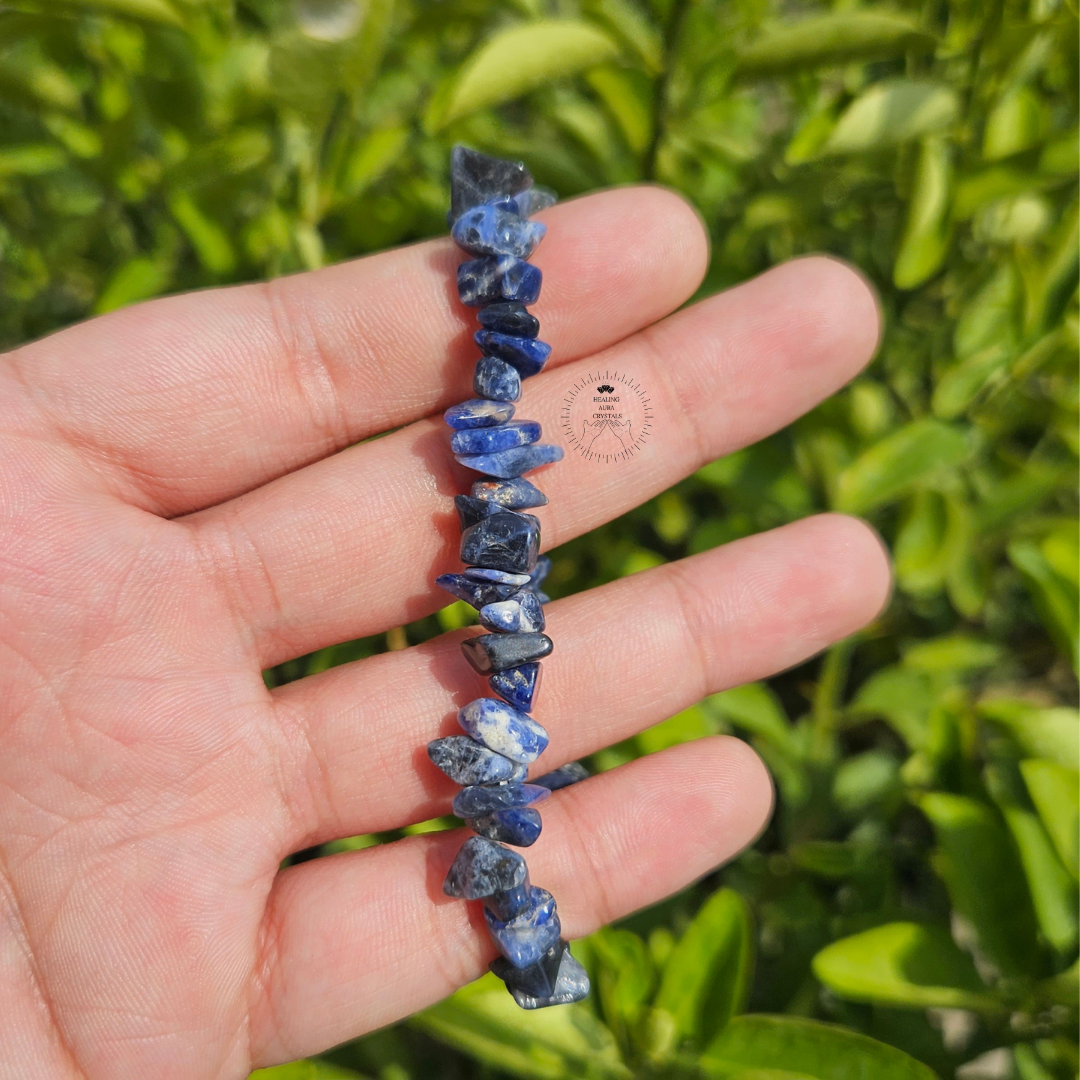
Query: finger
[(748, 362), (186, 401), (627, 655), (335, 967)]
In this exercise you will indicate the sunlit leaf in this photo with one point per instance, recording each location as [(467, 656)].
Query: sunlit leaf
[(523, 57), (893, 112), (836, 38), (807, 1048), (905, 965), (549, 1044), (986, 883), (706, 979), (900, 461)]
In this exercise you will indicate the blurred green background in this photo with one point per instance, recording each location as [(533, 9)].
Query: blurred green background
[(912, 909)]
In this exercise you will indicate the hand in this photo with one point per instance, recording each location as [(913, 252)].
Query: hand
[(590, 431), (183, 503), (621, 431)]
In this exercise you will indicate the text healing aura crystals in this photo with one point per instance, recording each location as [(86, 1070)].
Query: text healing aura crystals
[(491, 203)]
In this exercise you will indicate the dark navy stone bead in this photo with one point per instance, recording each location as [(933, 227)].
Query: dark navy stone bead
[(508, 903), (540, 571), (478, 413), (570, 773), (477, 178), (524, 939), (534, 199), (521, 614), (509, 318), (482, 868), (495, 278), (518, 685), (484, 573), (510, 463), (497, 652), (477, 593), (502, 541), (488, 440), (496, 379), (528, 355), (504, 729), (465, 761), (481, 799), (514, 494), (520, 826), (471, 510), (496, 228), (555, 979)]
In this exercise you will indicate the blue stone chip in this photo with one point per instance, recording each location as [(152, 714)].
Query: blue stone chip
[(504, 729), (489, 653), (518, 685), (527, 355), (522, 613), (511, 463), (482, 868), (520, 826), (509, 317), (490, 439), (465, 761), (478, 413), (498, 277), (524, 939), (496, 228), (503, 541), (496, 379), (479, 800), (514, 494)]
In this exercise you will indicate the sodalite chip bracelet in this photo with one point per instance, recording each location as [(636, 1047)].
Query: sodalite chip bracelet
[(491, 202)]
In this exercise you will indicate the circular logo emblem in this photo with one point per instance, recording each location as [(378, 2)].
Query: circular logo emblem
[(606, 416)]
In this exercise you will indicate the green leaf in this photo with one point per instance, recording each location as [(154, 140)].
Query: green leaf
[(208, 238), (627, 95), (31, 159), (962, 384), (138, 279), (1053, 892), (926, 235), (902, 696), (1042, 733), (706, 979), (755, 708), (807, 1048), (893, 112), (905, 965), (1017, 122), (1055, 598), (990, 318), (157, 11), (952, 654), (837, 38), (900, 461), (979, 864), (625, 976), (566, 1043), (372, 157), (305, 1070), (517, 60), (866, 781), (628, 23), (920, 554), (1055, 791)]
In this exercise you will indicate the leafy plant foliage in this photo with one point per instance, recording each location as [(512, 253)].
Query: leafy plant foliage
[(911, 910)]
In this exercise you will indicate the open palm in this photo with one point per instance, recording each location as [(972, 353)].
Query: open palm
[(182, 506)]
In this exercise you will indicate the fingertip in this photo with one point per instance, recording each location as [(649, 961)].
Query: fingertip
[(850, 303), (862, 569)]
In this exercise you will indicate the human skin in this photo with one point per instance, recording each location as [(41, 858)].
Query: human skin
[(183, 504)]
